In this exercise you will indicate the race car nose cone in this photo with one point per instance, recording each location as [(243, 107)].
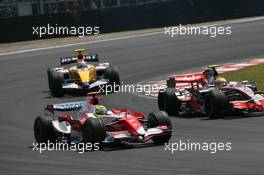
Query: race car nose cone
[(86, 85)]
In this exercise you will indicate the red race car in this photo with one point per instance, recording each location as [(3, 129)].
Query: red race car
[(192, 94), (93, 123)]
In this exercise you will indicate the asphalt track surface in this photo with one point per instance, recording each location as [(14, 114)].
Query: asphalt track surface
[(24, 92)]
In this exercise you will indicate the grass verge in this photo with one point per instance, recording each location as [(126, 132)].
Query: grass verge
[(252, 73)]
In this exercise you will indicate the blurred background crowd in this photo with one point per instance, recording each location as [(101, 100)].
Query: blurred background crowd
[(12, 8)]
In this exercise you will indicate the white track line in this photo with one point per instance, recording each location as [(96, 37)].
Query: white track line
[(126, 37), (81, 43)]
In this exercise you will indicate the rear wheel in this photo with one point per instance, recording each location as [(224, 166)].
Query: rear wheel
[(160, 118), (49, 72), (111, 73), (43, 130), (94, 131), (55, 82), (161, 99), (171, 103), (215, 103)]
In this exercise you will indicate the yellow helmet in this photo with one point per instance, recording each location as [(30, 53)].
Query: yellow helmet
[(220, 82), (221, 79), (100, 110)]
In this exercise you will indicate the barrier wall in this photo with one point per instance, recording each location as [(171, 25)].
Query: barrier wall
[(134, 17)]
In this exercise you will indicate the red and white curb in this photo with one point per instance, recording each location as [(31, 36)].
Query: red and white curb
[(159, 84)]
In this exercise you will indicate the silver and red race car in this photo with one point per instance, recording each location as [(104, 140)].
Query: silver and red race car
[(192, 94), (89, 122)]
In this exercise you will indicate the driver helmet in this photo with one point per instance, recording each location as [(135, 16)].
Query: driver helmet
[(100, 110), (81, 65), (220, 82), (80, 55)]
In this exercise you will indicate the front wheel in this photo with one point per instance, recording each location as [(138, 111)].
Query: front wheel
[(160, 118), (215, 103), (43, 130), (94, 131)]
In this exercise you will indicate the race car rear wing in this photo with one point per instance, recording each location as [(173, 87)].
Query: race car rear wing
[(190, 78), (87, 58), (71, 106)]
